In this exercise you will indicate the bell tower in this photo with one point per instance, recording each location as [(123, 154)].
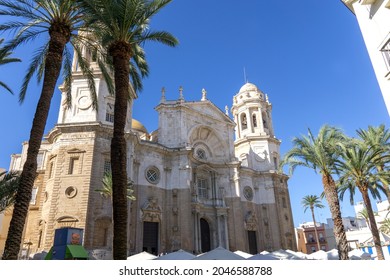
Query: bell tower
[(255, 143)]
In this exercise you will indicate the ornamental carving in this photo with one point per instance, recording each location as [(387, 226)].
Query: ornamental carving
[(151, 211), (250, 221)]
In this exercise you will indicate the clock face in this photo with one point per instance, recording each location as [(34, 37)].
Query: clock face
[(84, 102)]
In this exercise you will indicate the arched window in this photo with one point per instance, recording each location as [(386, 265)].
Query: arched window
[(244, 123), (254, 120), (265, 125)]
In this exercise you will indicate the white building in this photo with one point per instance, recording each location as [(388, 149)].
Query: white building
[(361, 237), (197, 186), (373, 17)]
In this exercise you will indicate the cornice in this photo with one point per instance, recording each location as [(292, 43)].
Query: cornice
[(256, 138)]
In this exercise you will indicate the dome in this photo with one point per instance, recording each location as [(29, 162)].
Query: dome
[(249, 87), (136, 125)]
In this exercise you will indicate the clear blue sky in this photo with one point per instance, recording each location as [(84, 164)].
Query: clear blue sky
[(308, 56)]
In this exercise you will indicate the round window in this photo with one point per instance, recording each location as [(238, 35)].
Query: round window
[(248, 193), (200, 154), (70, 192), (152, 175)]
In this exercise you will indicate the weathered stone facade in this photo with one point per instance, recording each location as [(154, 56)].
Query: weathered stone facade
[(196, 185)]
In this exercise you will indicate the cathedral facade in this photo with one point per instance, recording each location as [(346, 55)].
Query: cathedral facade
[(201, 180)]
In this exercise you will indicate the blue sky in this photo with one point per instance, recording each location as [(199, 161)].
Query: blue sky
[(308, 56)]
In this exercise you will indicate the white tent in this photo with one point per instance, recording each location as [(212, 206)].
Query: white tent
[(219, 254), (264, 257), (333, 254), (177, 255), (300, 255), (284, 255), (142, 256), (360, 254), (243, 254), (319, 255)]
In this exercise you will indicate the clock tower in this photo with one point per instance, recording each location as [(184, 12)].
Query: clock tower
[(81, 109)]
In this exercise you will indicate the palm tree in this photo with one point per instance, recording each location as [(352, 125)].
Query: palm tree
[(9, 183), (106, 190), (122, 26), (4, 59), (60, 20), (378, 137), (320, 153), (313, 201), (385, 227), (357, 169), (363, 213)]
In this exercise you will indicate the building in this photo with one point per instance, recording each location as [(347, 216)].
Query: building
[(358, 233), (306, 238), (197, 186), (373, 17)]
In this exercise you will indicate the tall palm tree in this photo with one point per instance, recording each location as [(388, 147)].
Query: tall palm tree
[(9, 183), (379, 138), (357, 169), (5, 59), (320, 153), (313, 201), (122, 26), (59, 20)]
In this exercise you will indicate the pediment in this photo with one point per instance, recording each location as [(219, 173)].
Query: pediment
[(207, 108)]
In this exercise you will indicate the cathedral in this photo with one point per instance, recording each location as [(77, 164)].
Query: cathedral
[(201, 180)]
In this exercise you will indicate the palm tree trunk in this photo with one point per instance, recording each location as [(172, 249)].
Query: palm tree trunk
[(334, 206), (373, 226), (121, 57), (315, 227), (53, 64)]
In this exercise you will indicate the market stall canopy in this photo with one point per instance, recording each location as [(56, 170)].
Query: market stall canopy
[(284, 255), (333, 254), (219, 253), (263, 257), (243, 254), (359, 254), (177, 255), (142, 256), (319, 255)]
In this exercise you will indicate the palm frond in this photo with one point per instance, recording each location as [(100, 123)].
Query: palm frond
[(106, 190), (9, 183), (37, 62)]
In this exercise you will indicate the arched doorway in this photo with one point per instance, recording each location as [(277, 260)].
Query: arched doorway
[(205, 235)]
